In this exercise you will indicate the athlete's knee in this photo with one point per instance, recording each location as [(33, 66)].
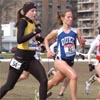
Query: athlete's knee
[(74, 77)]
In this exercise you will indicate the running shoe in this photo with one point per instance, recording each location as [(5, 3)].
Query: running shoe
[(92, 78), (87, 87), (50, 72), (49, 94), (89, 82), (36, 95), (82, 56), (61, 95)]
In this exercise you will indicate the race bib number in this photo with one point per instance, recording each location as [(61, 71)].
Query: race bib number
[(69, 50), (15, 64)]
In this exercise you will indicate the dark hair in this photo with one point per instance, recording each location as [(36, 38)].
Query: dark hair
[(26, 7), (62, 14), (20, 14)]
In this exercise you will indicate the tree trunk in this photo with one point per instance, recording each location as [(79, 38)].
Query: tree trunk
[(0, 31)]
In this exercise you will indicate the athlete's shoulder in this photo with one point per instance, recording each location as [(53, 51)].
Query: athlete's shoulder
[(74, 29), (22, 21), (60, 30), (54, 31)]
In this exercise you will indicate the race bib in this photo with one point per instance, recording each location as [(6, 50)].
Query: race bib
[(15, 64), (69, 49)]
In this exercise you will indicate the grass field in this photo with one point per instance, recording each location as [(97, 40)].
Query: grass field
[(24, 90)]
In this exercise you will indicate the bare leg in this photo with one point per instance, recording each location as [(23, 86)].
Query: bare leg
[(69, 72), (97, 68), (53, 71), (55, 80), (24, 75), (64, 86), (64, 70), (98, 96)]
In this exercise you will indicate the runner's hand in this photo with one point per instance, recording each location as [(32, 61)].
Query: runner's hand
[(38, 29)]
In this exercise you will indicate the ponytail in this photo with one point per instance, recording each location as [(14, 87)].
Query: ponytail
[(59, 19), (20, 14)]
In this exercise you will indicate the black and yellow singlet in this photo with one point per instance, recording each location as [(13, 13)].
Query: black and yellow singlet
[(25, 40), (26, 44)]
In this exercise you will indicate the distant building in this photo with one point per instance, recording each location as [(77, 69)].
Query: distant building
[(9, 39), (48, 12), (88, 16)]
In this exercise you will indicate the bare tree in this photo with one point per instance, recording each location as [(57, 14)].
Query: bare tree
[(4, 5)]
